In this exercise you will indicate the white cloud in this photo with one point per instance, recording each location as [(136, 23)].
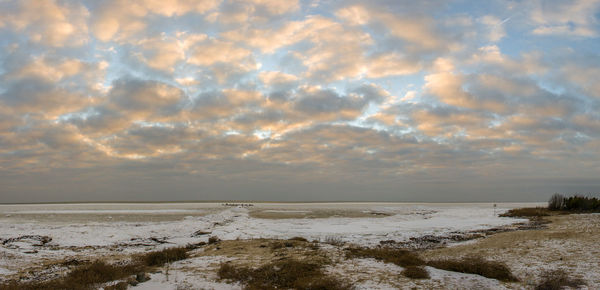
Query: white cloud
[(575, 18)]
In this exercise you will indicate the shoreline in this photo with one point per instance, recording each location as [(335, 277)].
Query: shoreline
[(259, 251), (524, 246), (267, 202)]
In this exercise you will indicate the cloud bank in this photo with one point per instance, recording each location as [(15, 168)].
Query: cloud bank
[(298, 100)]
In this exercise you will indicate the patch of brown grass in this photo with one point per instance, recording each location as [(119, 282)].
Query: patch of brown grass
[(476, 265), (556, 280), (527, 212), (159, 258), (299, 239), (82, 277), (399, 257), (87, 276), (285, 274), (415, 272)]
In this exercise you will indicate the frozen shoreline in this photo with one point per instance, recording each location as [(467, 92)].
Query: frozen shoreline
[(88, 235)]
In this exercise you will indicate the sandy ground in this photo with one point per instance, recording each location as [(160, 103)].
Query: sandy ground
[(570, 242)]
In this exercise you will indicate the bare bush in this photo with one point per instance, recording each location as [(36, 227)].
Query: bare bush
[(556, 202)]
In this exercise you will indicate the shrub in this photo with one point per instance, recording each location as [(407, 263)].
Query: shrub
[(98, 272), (415, 272), (582, 203), (399, 257), (476, 265), (557, 279), (281, 274), (556, 202), (159, 258)]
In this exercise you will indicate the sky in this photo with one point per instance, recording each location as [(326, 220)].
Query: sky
[(448, 101)]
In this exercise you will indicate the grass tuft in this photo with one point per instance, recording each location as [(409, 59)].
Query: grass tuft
[(159, 258), (299, 239), (415, 272), (399, 257)]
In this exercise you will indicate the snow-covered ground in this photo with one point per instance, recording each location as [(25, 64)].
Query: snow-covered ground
[(88, 229)]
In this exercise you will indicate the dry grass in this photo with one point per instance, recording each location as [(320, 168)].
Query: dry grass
[(413, 263), (159, 258), (334, 241), (299, 239), (399, 257), (527, 212), (476, 265), (415, 272), (557, 279), (569, 241), (285, 274), (82, 277), (88, 276)]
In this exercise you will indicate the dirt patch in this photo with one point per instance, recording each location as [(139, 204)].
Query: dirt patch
[(262, 251)]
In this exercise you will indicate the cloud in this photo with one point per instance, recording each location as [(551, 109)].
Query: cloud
[(394, 94), (215, 51), (495, 27), (161, 53), (415, 30), (277, 79), (117, 20), (576, 18), (47, 22)]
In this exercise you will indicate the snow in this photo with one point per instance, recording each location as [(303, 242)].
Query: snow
[(467, 281), (105, 211), (232, 223), (87, 232), (286, 211), (4, 272)]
